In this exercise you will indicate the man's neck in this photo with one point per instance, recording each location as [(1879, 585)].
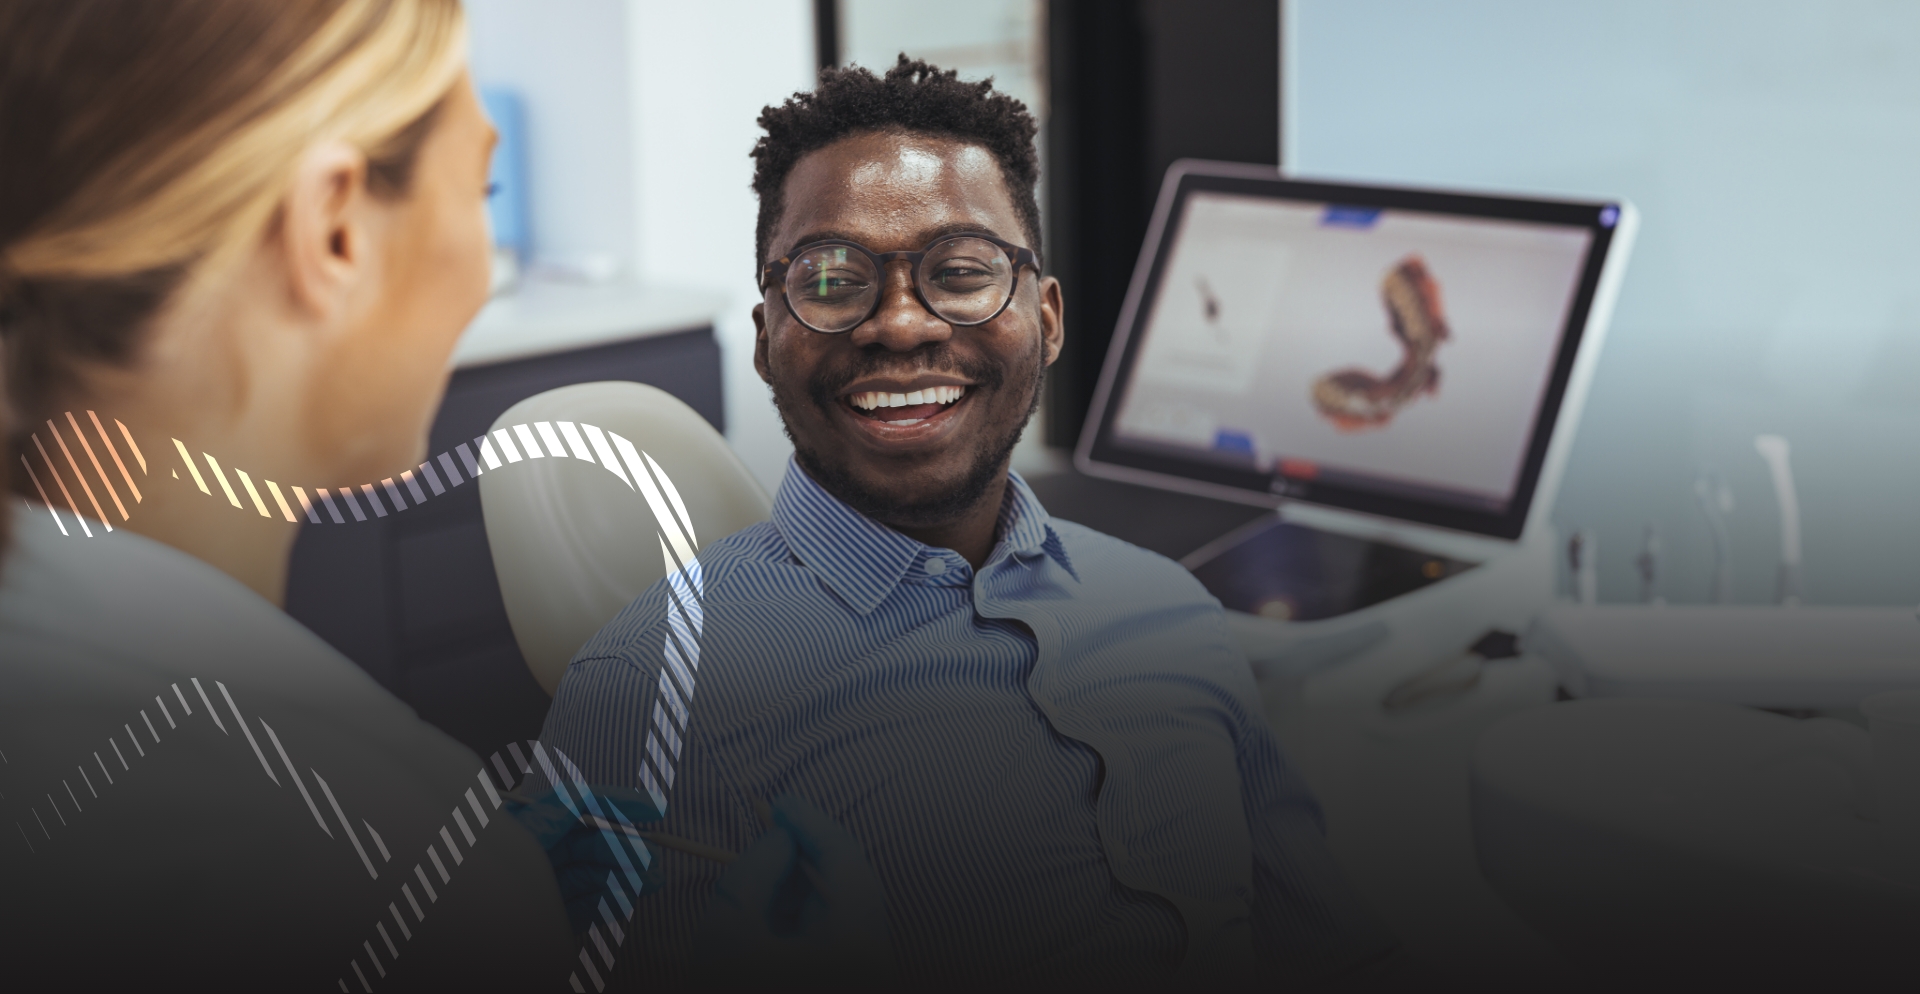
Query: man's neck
[(971, 534)]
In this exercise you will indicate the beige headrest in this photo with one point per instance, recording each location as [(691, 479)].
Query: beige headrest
[(627, 478)]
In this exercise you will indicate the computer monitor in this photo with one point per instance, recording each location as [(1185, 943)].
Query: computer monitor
[(1407, 354)]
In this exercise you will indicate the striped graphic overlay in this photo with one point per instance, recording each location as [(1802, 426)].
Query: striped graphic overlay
[(111, 482), (433, 478), (472, 814)]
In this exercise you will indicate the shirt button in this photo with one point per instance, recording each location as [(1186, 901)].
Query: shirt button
[(936, 566)]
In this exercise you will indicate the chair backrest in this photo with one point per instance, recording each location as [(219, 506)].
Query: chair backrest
[(588, 490)]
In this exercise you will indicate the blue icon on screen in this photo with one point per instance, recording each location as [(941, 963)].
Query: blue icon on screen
[(1347, 216), (1228, 440)]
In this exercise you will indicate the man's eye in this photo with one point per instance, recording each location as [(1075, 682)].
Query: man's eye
[(962, 277), (835, 285)]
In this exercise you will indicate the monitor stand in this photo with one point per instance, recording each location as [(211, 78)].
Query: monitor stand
[(1284, 571), (1247, 556)]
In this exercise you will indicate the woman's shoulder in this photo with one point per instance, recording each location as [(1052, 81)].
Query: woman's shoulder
[(118, 619)]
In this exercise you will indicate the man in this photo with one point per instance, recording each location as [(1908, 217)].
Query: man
[(1044, 739)]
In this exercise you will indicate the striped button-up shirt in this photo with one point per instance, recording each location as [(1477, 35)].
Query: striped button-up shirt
[(1056, 763)]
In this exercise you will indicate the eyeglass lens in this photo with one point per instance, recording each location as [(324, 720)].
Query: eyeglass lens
[(964, 281)]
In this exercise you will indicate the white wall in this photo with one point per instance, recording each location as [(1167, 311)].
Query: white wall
[(1771, 146), (640, 114), (702, 73), (568, 60)]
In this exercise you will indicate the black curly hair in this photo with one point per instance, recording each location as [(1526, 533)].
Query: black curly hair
[(912, 96)]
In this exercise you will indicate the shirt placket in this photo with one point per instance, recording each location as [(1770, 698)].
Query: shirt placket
[(1112, 807)]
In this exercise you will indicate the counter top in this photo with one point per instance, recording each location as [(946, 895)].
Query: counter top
[(542, 317)]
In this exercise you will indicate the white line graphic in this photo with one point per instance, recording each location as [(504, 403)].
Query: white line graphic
[(447, 837), (342, 815), (378, 842), (248, 732), (258, 504), (280, 499), (294, 775), (211, 713), (191, 467), (48, 504), (86, 487), (95, 460), (64, 492), (225, 487)]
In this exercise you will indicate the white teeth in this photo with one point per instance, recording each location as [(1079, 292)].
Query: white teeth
[(871, 399)]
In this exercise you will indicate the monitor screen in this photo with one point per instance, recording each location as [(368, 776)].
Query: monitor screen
[(1389, 351)]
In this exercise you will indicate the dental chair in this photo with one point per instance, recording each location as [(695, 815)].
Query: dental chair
[(1675, 838), (588, 492)]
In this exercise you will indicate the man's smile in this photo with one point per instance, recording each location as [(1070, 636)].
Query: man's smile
[(904, 402), (907, 416)]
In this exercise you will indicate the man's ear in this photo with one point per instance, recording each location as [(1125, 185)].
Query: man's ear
[(760, 343), (1053, 324), (323, 233)]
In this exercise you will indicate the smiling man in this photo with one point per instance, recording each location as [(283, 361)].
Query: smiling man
[(1044, 739)]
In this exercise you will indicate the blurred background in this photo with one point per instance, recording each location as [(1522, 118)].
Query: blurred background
[(1768, 144)]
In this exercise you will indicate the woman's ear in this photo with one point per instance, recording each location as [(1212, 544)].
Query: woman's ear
[(323, 231)]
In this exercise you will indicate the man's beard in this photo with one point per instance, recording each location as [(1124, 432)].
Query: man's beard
[(990, 454)]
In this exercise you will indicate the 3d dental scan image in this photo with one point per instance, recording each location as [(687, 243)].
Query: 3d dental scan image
[(1038, 495)]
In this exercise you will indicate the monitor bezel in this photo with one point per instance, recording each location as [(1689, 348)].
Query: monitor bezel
[(1099, 454)]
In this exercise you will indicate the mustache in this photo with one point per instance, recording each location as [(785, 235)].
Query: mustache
[(826, 385)]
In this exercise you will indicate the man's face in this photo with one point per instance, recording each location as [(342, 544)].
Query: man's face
[(897, 192)]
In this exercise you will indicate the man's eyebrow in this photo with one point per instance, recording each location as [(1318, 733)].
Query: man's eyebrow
[(955, 228)]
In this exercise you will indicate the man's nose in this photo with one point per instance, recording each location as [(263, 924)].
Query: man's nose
[(900, 323)]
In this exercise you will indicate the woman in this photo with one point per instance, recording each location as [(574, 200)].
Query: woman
[(257, 228)]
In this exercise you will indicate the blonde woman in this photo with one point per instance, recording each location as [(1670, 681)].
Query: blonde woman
[(256, 227)]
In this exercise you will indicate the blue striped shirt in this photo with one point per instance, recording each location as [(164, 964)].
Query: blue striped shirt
[(1057, 763)]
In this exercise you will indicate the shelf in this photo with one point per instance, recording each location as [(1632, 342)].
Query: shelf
[(541, 318)]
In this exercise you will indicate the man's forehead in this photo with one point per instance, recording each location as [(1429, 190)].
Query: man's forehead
[(894, 187)]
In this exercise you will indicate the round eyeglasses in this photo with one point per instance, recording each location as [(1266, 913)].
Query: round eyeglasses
[(833, 286)]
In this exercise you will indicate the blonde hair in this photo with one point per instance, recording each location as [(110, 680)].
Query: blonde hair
[(372, 68), (149, 139)]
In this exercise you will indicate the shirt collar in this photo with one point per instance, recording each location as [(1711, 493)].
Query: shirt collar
[(863, 560)]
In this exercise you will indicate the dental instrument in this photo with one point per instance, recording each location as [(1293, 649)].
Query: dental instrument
[(1648, 563), (1716, 502), (1773, 449)]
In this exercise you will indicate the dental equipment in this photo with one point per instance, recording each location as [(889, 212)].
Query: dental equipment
[(1773, 449), (1648, 563), (1583, 557), (1716, 502)]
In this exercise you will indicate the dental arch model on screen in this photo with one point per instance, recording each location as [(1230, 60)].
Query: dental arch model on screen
[(1355, 399)]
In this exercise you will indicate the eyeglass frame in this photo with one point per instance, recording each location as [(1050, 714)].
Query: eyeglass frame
[(775, 274)]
